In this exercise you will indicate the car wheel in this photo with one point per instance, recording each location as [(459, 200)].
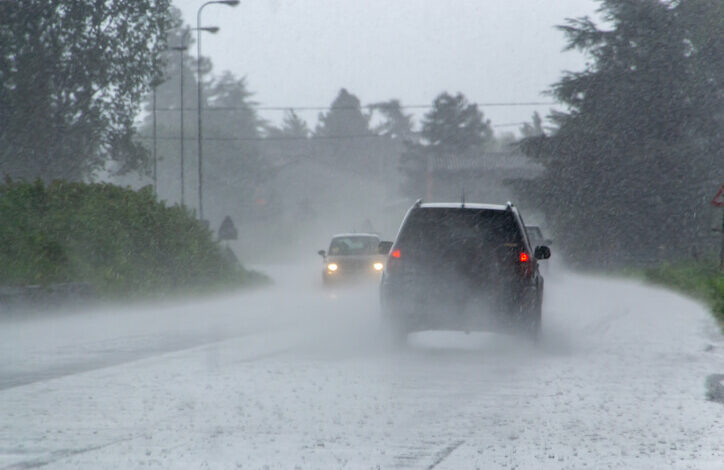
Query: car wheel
[(534, 320), (527, 310)]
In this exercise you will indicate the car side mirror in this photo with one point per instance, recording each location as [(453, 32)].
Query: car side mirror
[(384, 247), (322, 253), (542, 252)]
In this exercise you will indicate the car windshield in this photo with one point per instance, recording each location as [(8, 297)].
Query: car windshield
[(353, 246)]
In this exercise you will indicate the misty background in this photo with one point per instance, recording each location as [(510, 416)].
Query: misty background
[(336, 116)]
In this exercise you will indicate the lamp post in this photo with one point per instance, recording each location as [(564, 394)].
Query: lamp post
[(155, 82), (182, 49), (155, 146), (231, 3)]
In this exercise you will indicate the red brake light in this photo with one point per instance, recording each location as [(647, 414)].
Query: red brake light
[(524, 257), (396, 254)]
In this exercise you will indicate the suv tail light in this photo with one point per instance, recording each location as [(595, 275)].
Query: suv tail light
[(526, 267), (393, 262)]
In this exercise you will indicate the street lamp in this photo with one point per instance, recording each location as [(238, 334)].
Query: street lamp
[(181, 49), (231, 3), (155, 146)]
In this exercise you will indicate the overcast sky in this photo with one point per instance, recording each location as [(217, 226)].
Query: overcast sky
[(301, 52)]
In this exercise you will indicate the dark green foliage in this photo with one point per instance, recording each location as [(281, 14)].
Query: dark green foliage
[(235, 171), (293, 127), (534, 128), (630, 169), (395, 124), (344, 119), (704, 280), (343, 138), (118, 240), (454, 127), (71, 76)]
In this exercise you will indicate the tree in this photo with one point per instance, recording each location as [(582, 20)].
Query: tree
[(292, 127), (235, 169), (344, 118), (629, 167), (534, 128), (396, 124), (343, 138), (71, 78), (452, 128)]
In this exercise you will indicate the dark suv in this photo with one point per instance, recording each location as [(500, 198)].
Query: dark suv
[(460, 266)]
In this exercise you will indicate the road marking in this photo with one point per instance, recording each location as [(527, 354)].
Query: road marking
[(445, 453)]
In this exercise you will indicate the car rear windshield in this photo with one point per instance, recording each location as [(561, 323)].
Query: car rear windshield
[(432, 229), (351, 246)]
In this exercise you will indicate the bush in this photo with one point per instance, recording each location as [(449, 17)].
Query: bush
[(116, 239), (704, 280)]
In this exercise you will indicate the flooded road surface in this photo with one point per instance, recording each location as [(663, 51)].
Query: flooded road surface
[(295, 376)]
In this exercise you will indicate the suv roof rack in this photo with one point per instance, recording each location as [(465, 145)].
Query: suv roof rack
[(418, 203), (509, 206)]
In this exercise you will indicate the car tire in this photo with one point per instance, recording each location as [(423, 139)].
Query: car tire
[(527, 310), (535, 319)]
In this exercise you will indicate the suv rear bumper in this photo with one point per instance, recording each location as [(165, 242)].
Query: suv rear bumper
[(496, 308)]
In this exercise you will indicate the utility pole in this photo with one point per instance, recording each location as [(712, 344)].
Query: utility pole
[(181, 117), (231, 3), (428, 177), (155, 147), (182, 48)]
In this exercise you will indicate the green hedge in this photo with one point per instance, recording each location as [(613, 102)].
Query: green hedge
[(704, 280), (118, 240)]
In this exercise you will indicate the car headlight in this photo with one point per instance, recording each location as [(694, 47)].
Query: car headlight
[(332, 267), (378, 266)]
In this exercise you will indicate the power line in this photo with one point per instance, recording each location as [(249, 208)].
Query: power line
[(299, 138), (259, 139), (367, 106)]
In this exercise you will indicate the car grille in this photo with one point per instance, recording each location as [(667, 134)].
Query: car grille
[(355, 265)]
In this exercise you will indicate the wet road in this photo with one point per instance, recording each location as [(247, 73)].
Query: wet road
[(297, 377)]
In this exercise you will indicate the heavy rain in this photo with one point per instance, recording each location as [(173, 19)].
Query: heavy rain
[(325, 234)]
